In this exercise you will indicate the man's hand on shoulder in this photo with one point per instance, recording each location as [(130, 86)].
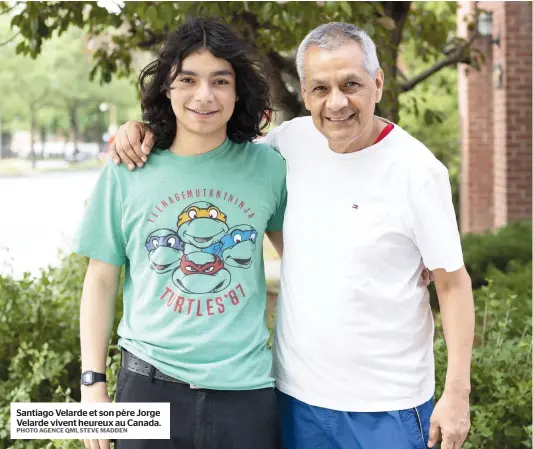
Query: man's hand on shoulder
[(132, 145)]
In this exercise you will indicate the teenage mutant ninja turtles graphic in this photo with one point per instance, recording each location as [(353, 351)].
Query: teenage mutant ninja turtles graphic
[(165, 250), (201, 272), (200, 225), (203, 251)]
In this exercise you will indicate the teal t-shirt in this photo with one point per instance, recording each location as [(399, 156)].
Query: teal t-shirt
[(189, 230)]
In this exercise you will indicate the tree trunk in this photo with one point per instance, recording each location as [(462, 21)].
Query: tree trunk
[(33, 122), (74, 129), (388, 48), (43, 140), (288, 102)]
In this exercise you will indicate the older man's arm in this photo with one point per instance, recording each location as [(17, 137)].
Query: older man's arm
[(132, 144), (451, 416), (276, 238)]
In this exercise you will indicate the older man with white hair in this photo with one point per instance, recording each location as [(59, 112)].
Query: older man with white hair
[(368, 207)]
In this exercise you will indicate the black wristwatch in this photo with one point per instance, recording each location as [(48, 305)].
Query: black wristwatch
[(91, 377)]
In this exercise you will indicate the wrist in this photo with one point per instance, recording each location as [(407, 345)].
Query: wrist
[(457, 387), (92, 377)]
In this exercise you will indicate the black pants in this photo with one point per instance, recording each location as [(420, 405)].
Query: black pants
[(204, 419)]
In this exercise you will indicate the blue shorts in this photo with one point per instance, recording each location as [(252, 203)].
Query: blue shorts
[(305, 426)]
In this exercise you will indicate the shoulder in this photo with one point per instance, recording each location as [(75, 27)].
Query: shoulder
[(263, 151), (417, 157), (292, 128), (284, 136), (418, 161), (158, 158), (268, 161)]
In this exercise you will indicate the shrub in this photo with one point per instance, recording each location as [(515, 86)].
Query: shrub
[(39, 354), (498, 249), (504, 249)]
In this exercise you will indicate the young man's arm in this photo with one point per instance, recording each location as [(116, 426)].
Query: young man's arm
[(97, 313), (451, 415)]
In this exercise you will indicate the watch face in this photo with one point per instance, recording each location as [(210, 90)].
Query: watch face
[(88, 378)]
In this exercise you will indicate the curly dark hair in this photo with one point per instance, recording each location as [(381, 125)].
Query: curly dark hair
[(252, 112)]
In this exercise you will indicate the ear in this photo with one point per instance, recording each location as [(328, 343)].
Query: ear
[(304, 96), (236, 99), (379, 79), (167, 93)]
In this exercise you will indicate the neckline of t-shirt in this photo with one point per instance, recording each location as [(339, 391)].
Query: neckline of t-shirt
[(194, 159), (372, 148)]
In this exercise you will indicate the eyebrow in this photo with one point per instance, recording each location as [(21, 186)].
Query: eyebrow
[(344, 79), (223, 72)]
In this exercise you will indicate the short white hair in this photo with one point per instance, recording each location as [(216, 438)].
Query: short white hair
[(331, 36)]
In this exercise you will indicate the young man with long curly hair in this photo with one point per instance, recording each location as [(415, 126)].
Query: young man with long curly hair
[(189, 230)]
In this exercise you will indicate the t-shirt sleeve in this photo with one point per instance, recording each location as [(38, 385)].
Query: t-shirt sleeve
[(99, 235), (276, 136), (434, 224), (278, 172), (270, 139)]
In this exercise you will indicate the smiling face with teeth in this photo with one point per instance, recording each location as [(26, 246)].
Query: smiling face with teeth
[(238, 246), (203, 95), (341, 95), (201, 224)]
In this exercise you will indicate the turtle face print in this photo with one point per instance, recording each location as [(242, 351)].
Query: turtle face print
[(238, 246), (201, 273), (203, 253), (201, 224), (165, 250)]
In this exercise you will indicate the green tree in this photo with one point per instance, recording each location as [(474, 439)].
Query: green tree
[(55, 90), (73, 91), (276, 28)]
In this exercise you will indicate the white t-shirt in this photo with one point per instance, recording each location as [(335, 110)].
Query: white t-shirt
[(354, 329)]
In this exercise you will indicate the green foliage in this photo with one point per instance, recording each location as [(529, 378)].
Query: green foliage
[(500, 248), (39, 354), (55, 91), (506, 249)]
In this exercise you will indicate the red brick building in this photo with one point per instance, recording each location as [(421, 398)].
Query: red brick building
[(496, 114)]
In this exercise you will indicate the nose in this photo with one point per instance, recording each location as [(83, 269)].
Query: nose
[(204, 93), (336, 100)]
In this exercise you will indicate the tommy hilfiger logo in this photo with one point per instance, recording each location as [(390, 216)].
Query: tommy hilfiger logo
[(355, 206)]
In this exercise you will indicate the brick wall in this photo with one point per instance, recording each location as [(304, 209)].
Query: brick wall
[(496, 121)]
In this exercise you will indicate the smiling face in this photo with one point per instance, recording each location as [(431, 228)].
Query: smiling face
[(165, 250), (203, 95), (340, 95), (201, 273), (238, 246), (202, 224)]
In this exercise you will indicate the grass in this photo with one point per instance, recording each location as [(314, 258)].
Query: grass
[(23, 167)]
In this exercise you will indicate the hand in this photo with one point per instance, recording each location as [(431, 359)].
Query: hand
[(451, 418), (132, 144), (427, 277), (93, 394)]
